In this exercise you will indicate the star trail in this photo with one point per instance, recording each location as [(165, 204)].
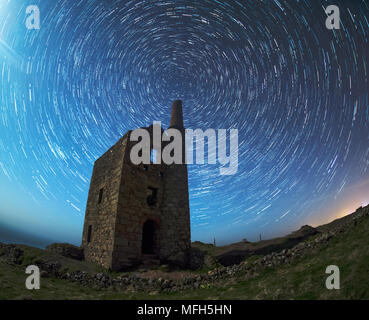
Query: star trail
[(296, 91)]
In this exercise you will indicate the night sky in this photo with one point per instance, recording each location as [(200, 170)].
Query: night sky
[(296, 91)]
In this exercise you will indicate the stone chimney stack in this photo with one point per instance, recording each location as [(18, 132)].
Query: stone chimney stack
[(176, 120), (175, 208)]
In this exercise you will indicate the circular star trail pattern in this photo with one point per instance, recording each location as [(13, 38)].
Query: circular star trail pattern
[(296, 91)]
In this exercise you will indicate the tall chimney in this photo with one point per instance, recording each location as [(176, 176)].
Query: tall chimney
[(175, 205), (176, 120)]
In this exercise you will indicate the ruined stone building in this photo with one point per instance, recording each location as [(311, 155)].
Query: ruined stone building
[(137, 212)]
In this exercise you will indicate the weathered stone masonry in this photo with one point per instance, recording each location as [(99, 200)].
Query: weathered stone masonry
[(135, 212)]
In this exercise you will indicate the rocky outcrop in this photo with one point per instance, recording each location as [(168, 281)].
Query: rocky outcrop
[(11, 253), (66, 250), (304, 231)]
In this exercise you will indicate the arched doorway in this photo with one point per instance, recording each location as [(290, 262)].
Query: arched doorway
[(149, 234)]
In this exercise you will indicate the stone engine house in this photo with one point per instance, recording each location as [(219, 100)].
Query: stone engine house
[(137, 212)]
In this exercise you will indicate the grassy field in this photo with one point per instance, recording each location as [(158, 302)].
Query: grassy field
[(304, 278)]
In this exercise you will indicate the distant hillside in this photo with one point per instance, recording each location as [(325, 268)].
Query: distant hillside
[(236, 252), (11, 235)]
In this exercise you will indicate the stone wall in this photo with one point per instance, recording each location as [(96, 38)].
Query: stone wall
[(106, 176)]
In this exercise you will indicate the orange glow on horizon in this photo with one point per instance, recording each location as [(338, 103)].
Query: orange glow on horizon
[(333, 214)]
